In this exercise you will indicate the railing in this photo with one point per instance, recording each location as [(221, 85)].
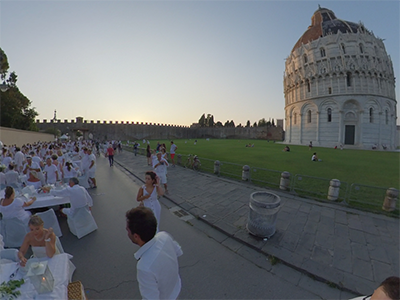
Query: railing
[(356, 195), (265, 177), (316, 187)]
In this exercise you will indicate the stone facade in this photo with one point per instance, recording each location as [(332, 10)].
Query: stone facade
[(137, 131), (339, 87)]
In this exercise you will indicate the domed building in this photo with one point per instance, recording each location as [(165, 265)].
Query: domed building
[(339, 87)]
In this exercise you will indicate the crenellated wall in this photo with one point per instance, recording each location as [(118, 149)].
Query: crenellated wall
[(137, 131)]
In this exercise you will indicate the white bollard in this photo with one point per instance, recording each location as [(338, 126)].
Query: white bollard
[(392, 195), (334, 188)]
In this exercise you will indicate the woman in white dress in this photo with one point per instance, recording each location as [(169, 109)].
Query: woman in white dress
[(12, 207), (42, 241), (149, 192)]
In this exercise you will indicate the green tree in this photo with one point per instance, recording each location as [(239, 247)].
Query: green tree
[(262, 122), (255, 124), (202, 120), (248, 123), (219, 124), (210, 119), (15, 110)]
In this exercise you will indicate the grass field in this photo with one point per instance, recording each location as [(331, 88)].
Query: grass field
[(365, 175), (375, 168)]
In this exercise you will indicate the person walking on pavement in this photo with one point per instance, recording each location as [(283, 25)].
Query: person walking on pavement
[(160, 167), (157, 259), (172, 152), (110, 154)]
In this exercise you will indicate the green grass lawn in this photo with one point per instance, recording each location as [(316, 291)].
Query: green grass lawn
[(375, 168), (365, 175)]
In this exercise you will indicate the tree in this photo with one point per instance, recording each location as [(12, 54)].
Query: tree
[(219, 124), (15, 110), (240, 125), (255, 124), (226, 123), (210, 120), (202, 120), (262, 122), (248, 123)]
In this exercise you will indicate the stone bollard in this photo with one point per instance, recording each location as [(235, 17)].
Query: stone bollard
[(217, 165), (392, 195), (246, 173), (285, 181), (334, 188), (179, 160)]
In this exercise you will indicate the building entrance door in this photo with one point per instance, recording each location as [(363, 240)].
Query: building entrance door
[(349, 134)]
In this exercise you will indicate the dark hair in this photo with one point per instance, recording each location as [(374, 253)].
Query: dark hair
[(54, 157), (391, 287), (11, 166), (8, 191), (152, 175), (141, 220), (315, 153), (74, 180), (68, 164)]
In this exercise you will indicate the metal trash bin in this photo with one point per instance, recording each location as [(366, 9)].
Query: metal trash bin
[(264, 207)]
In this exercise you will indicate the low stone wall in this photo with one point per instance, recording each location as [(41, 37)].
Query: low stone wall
[(11, 136)]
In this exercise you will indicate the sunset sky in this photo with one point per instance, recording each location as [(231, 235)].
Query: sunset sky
[(167, 61)]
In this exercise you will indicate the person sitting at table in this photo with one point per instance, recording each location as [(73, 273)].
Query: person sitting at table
[(69, 171), (11, 207), (12, 176), (42, 241), (78, 195), (31, 169), (51, 172)]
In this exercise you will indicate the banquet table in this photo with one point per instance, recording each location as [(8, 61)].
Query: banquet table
[(59, 266), (47, 200)]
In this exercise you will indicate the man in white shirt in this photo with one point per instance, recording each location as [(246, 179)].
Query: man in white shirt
[(51, 171), (160, 167), (19, 158), (78, 195), (157, 266)]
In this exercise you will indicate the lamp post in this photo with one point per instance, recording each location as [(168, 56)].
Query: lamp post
[(54, 124), (3, 87)]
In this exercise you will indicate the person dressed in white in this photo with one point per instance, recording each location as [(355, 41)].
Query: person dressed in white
[(147, 194), (51, 171), (157, 266), (12, 176), (69, 171), (92, 168), (160, 167), (31, 170), (19, 158), (78, 195)]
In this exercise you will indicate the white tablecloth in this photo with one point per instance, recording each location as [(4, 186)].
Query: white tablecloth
[(59, 267), (47, 200)]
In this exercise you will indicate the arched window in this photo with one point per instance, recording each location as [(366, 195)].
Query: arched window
[(329, 115), (348, 79), (322, 50), (386, 117), (305, 58), (361, 48), (295, 118), (371, 115), (309, 116), (343, 48), (308, 86)]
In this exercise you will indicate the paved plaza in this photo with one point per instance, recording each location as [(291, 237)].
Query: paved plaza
[(351, 249)]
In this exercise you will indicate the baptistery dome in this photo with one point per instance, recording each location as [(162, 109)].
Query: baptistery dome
[(339, 87)]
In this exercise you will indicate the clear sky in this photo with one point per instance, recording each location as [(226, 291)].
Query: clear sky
[(167, 61)]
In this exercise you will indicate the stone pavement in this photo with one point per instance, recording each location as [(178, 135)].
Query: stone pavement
[(351, 249)]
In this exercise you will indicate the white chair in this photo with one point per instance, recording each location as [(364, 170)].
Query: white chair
[(10, 254), (83, 181), (81, 223), (13, 231), (50, 220)]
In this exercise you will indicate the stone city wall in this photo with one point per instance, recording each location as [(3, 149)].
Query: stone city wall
[(137, 131), (11, 136)]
